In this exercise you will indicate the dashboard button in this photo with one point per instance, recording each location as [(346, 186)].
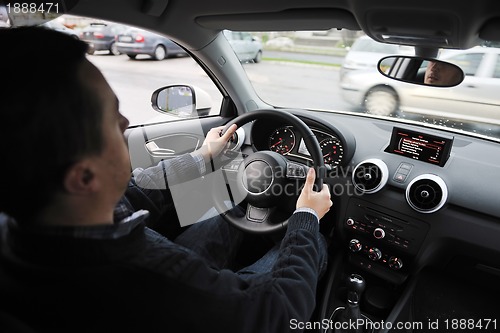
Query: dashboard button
[(400, 178), (355, 245), (374, 254), (395, 263), (379, 233)]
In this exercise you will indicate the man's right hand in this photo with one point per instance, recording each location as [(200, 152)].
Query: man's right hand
[(319, 201)]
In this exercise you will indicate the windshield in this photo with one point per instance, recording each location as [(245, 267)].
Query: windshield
[(369, 45), (331, 71), (336, 71)]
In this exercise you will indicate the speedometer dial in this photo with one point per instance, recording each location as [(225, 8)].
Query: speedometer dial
[(332, 151), (282, 140)]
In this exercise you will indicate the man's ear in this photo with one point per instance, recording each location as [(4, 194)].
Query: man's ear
[(80, 178)]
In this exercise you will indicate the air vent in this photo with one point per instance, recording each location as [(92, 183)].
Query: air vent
[(426, 193), (370, 176)]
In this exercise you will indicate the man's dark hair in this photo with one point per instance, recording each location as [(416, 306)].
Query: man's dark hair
[(49, 117)]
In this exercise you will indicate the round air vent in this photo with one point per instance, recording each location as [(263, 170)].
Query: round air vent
[(426, 193), (370, 175)]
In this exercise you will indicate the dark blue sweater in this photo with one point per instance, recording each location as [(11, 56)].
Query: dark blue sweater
[(126, 277)]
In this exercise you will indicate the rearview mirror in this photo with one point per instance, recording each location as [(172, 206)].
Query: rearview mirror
[(181, 101), (423, 71)]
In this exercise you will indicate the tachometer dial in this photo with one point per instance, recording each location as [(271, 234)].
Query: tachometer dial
[(332, 151), (282, 140)]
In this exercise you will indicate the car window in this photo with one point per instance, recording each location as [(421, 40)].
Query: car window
[(134, 80), (232, 35), (246, 36), (496, 72), (369, 45), (468, 62), (247, 48)]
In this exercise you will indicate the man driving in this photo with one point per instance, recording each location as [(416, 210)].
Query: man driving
[(67, 266)]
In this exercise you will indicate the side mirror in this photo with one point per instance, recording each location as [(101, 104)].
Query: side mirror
[(181, 100), (422, 71)]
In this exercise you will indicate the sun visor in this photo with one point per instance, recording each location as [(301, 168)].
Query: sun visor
[(491, 30), (287, 20), (416, 27)]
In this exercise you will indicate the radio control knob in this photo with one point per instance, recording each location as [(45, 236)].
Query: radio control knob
[(355, 245), (395, 263), (374, 254), (379, 233), (350, 222)]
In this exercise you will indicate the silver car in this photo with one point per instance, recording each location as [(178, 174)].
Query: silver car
[(379, 95), (247, 47), (366, 52)]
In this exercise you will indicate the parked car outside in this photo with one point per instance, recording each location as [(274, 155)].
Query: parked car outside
[(101, 37), (379, 95), (58, 26), (366, 52), (135, 41), (247, 47)]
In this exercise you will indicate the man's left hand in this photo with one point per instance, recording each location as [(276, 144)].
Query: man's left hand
[(214, 143)]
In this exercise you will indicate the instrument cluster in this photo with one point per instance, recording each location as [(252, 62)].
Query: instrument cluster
[(287, 142)]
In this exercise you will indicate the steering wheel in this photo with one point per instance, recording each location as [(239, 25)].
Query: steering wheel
[(262, 176)]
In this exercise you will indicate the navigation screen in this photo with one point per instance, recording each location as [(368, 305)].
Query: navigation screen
[(419, 146)]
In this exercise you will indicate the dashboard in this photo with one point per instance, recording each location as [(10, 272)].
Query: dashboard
[(467, 165), (416, 189), (405, 196)]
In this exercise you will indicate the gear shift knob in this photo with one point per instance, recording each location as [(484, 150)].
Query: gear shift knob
[(355, 287)]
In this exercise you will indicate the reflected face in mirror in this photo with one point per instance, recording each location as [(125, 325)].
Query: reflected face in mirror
[(441, 74), (421, 71)]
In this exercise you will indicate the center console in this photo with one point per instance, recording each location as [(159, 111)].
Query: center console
[(380, 241), (379, 236), (379, 245)]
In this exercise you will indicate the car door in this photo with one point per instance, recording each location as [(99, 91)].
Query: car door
[(153, 136)]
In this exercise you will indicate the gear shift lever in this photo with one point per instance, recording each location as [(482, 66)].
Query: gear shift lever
[(355, 287)]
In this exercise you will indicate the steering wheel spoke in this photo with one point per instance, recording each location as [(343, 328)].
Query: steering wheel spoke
[(259, 219), (231, 169), (259, 215), (296, 170)]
